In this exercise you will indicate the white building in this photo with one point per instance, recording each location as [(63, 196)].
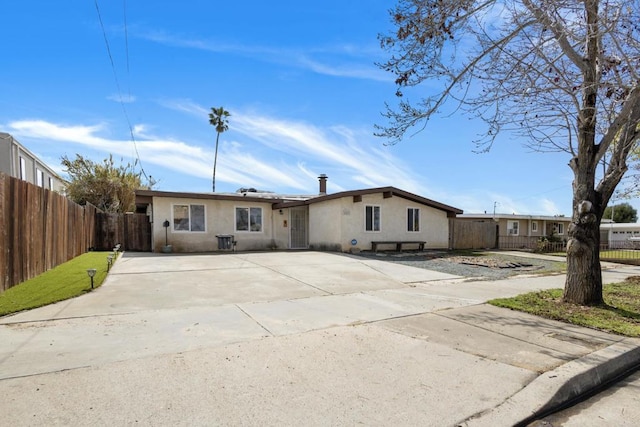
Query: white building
[(18, 162)]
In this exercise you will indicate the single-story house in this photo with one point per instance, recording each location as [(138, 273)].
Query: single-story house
[(620, 235), (522, 231), (348, 221)]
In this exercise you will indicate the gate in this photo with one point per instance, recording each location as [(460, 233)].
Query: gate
[(298, 229), (132, 231)]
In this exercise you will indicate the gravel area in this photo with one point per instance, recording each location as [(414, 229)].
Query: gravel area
[(488, 266)]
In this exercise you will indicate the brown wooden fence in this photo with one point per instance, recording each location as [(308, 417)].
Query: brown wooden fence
[(131, 231), (472, 235), (39, 229)]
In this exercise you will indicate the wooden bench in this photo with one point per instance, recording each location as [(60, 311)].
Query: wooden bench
[(398, 243)]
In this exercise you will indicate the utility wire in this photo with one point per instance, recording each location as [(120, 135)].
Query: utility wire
[(115, 76)]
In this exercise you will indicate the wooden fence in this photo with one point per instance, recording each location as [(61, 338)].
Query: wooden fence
[(472, 235), (131, 231), (39, 229)]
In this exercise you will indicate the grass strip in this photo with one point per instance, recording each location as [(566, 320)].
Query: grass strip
[(620, 314), (65, 281)]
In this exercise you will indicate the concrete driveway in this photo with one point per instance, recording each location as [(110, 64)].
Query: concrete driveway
[(276, 338), (154, 304)]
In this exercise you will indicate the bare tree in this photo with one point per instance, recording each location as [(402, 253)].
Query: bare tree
[(563, 74)]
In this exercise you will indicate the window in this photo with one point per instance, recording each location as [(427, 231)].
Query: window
[(188, 218), (534, 226), (372, 218), (23, 168), (512, 228), (249, 219), (50, 183), (558, 228), (413, 219), (39, 178)]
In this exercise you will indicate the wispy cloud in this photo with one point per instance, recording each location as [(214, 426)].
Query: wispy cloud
[(337, 61), (272, 152), (125, 98), (276, 154), (353, 154)]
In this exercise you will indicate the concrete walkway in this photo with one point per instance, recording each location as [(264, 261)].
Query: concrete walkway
[(290, 338)]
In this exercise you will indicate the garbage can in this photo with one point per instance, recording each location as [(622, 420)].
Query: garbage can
[(225, 241)]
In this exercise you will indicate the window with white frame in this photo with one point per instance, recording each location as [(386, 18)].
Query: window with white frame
[(23, 168), (513, 228), (249, 219), (413, 219), (534, 226), (558, 227), (39, 178), (372, 218), (188, 218), (50, 183)]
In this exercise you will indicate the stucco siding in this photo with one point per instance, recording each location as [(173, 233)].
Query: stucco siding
[(326, 222), (339, 222), (219, 219)]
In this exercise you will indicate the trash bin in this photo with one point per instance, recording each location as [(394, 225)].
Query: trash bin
[(225, 241)]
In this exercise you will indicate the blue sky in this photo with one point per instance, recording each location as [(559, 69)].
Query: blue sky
[(300, 82)]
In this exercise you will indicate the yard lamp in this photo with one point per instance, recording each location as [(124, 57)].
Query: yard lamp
[(109, 262), (91, 272)]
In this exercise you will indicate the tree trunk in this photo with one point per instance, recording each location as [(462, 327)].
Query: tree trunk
[(584, 276), (215, 163)]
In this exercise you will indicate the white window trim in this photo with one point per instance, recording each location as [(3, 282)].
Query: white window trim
[(23, 169), (235, 219), (419, 219), (510, 230), (534, 226), (559, 227), (173, 229), (364, 217), (39, 177)]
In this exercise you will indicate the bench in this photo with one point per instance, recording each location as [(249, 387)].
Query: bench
[(398, 243)]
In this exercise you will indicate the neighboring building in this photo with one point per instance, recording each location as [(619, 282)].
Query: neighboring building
[(346, 221), (523, 231), (18, 162), (619, 235)]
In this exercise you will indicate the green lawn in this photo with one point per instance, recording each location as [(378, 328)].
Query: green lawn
[(65, 281), (619, 315)]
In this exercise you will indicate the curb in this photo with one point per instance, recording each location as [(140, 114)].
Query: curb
[(565, 384)]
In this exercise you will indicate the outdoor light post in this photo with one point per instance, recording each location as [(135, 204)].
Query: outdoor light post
[(109, 261), (91, 272)]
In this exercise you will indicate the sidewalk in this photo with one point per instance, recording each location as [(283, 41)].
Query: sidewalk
[(290, 339)]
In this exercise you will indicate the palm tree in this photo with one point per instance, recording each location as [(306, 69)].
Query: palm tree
[(218, 118)]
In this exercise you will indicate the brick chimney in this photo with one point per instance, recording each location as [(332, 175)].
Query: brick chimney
[(323, 184)]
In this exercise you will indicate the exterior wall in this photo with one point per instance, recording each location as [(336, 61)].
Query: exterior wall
[(326, 222), (336, 223), (219, 219), (280, 228), (11, 151)]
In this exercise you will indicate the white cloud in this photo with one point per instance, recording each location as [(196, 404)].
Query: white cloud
[(124, 98), (333, 63), (274, 153)]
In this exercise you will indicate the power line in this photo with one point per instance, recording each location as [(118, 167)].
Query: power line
[(115, 76)]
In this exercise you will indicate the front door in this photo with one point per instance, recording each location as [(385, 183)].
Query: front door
[(298, 229)]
